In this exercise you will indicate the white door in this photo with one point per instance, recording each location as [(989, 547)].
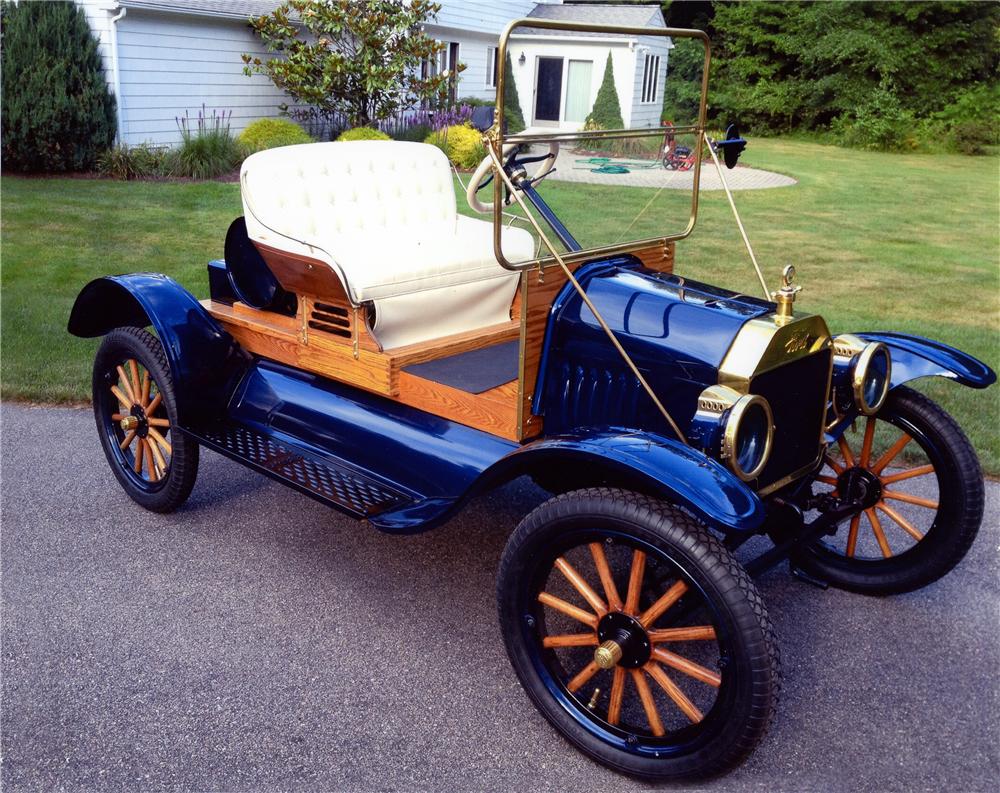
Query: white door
[(578, 82)]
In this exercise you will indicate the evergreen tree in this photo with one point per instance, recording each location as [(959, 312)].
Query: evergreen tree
[(607, 110), (511, 104), (58, 114)]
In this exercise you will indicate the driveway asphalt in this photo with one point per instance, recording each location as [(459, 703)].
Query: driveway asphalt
[(257, 641)]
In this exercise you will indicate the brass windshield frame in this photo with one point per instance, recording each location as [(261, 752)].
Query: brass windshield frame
[(498, 140)]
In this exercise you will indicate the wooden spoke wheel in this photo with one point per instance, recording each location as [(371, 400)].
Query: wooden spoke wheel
[(922, 490), (637, 635), (135, 410)]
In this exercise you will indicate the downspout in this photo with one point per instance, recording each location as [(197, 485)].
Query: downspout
[(116, 74)]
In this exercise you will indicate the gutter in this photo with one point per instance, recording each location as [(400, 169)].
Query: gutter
[(116, 74)]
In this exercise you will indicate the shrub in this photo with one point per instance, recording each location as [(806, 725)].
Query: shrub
[(461, 144), (414, 133), (881, 124), (269, 133), (972, 137), (133, 162), (363, 133), (58, 114), (968, 124), (607, 110), (513, 116), (207, 151)]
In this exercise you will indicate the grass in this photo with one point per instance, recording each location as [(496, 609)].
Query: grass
[(880, 241)]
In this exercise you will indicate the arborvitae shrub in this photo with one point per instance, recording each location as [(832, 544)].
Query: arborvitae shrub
[(607, 110), (511, 104), (58, 114)]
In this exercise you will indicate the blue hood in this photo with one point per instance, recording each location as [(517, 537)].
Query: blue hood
[(677, 332)]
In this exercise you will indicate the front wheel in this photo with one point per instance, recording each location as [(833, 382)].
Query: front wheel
[(922, 487), (136, 411), (637, 635)]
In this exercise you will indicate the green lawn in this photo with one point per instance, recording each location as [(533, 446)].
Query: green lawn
[(880, 241)]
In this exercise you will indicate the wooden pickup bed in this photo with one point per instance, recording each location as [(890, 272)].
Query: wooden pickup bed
[(330, 337)]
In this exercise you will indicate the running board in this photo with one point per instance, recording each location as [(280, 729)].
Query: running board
[(328, 481)]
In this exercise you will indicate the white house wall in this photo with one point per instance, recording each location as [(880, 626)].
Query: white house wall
[(98, 20), (647, 114), (170, 63), (594, 50), (476, 26), (473, 51)]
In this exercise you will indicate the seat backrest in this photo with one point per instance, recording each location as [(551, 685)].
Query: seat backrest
[(316, 191)]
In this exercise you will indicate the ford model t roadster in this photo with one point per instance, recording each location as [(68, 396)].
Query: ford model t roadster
[(369, 346)]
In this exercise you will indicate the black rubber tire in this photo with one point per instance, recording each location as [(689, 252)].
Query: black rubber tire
[(755, 666), (961, 497), (173, 490)]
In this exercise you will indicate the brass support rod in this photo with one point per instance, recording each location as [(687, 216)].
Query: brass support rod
[(498, 167), (736, 214)]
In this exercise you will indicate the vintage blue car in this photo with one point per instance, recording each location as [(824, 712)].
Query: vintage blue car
[(371, 347)]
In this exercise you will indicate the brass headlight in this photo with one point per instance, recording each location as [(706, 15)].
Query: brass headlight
[(747, 436), (737, 428), (862, 373), (870, 377)]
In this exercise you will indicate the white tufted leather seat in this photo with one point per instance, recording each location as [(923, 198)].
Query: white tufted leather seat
[(383, 216)]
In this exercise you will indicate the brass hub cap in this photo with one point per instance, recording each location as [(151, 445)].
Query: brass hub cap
[(145, 442), (623, 639), (622, 645), (861, 470)]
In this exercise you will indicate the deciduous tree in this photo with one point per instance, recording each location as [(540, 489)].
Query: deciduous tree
[(357, 58)]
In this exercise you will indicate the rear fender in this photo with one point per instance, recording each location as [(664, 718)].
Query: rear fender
[(646, 462), (204, 360), (915, 356)]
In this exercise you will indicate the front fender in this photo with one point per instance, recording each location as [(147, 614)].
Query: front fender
[(915, 356), (204, 360), (648, 462)]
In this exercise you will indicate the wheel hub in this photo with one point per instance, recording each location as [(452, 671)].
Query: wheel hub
[(860, 484), (623, 642), (136, 421)]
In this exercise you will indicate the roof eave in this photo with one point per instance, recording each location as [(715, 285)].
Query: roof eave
[(181, 10)]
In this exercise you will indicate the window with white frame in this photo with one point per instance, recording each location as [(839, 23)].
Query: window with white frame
[(650, 78), (492, 54)]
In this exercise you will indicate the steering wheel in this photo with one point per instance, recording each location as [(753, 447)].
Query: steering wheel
[(479, 178)]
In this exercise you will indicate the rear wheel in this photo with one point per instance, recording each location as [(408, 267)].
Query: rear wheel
[(922, 486), (637, 635), (136, 411)]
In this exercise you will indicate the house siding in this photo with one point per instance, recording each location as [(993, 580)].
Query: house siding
[(481, 17), (648, 114), (170, 64), (476, 27), (98, 19)]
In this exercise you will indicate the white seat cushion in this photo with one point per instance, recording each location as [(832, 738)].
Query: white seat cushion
[(386, 265), (382, 214)]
